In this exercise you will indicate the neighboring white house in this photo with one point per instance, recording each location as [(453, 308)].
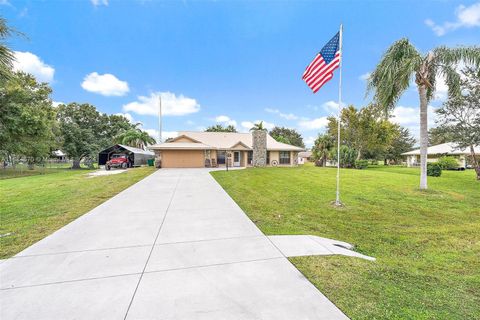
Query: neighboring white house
[(59, 155), (304, 156), (440, 150)]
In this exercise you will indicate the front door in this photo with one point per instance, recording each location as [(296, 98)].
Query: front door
[(236, 158)]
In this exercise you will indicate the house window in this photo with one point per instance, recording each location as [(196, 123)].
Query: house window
[(250, 157), (284, 157), (268, 157), (221, 157)]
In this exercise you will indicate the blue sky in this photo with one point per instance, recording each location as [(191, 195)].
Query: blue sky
[(217, 61)]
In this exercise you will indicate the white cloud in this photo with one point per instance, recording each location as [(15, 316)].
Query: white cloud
[(441, 89), (313, 124), (172, 105), (97, 3), (332, 107), (365, 76), (127, 115), (409, 117), (226, 120), (105, 84), (309, 141), (57, 103), (30, 63), (247, 125), (287, 116), (466, 17), (165, 134)]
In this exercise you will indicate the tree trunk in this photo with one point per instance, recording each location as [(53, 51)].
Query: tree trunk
[(422, 90), (359, 154), (76, 164), (475, 162)]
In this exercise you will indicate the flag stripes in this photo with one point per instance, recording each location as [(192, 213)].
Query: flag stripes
[(320, 70)]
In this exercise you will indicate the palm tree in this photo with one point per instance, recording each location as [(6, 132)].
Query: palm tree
[(400, 63), (322, 148), (258, 126), (135, 138), (6, 54)]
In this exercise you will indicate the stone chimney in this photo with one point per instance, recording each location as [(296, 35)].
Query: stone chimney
[(259, 138)]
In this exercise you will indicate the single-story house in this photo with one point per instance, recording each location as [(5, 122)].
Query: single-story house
[(136, 156), (304, 156), (192, 149), (440, 150), (59, 155)]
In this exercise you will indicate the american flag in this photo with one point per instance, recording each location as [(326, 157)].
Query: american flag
[(320, 70)]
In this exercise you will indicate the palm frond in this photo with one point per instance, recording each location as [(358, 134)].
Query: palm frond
[(448, 60), (393, 74)]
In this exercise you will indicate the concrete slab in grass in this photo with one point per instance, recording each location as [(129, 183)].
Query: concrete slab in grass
[(210, 252), (106, 298), (267, 289), (53, 268), (306, 245)]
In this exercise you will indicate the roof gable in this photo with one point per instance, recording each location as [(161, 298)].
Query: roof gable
[(240, 145), (184, 138)]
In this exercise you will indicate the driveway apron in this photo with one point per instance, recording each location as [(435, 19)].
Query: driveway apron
[(172, 246)]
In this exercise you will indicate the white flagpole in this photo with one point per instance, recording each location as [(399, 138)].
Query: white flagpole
[(337, 201), (160, 119)]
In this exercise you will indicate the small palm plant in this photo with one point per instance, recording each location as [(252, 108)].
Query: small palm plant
[(401, 63), (322, 148), (258, 126), (135, 138)]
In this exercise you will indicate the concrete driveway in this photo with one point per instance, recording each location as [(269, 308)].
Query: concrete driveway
[(172, 246)]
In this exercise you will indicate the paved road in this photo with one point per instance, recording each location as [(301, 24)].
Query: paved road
[(173, 246)]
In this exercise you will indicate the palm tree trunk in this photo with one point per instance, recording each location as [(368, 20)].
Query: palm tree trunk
[(475, 162), (422, 90)]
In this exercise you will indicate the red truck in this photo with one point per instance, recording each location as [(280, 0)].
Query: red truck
[(118, 161)]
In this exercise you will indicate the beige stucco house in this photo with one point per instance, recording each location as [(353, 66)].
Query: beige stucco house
[(440, 150), (192, 149)]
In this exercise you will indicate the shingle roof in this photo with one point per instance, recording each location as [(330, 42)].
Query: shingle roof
[(226, 140), (444, 148)]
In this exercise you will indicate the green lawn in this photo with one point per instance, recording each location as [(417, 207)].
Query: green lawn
[(427, 244), (35, 206)]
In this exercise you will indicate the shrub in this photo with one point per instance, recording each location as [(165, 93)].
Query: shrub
[(434, 169), (347, 156), (448, 163), (361, 164)]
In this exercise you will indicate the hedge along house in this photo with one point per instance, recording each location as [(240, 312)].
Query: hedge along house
[(436, 152), (212, 149)]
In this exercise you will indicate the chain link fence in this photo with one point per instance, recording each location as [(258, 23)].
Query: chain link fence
[(21, 168)]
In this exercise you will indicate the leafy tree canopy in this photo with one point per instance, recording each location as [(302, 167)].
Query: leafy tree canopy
[(27, 118), (402, 142), (286, 135), (364, 130), (85, 131), (459, 116), (221, 128), (439, 135)]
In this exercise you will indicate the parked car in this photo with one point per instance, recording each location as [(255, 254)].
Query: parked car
[(118, 161)]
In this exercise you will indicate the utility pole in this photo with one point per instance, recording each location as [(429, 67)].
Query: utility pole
[(160, 119)]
